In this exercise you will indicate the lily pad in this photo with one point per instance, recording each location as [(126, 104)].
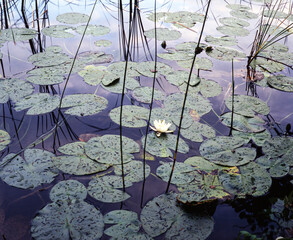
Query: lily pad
[(148, 68), (182, 173), (126, 223), (207, 88), (262, 64), (63, 220), (233, 31), (225, 54), (4, 139), (163, 34), (202, 63), (69, 190), (17, 34), (258, 138), (276, 166), (117, 86), (247, 105), (103, 43), (227, 151), (179, 77), (189, 47), (221, 41), (72, 18), (39, 103), (201, 164), (252, 179), (58, 31), (94, 57), (243, 14), (94, 30), (45, 79), (35, 169), (14, 89), (281, 82), (84, 104), (196, 132), (144, 94), (132, 116), (118, 69), (162, 146), (176, 55), (244, 124), (133, 171), (234, 22), (162, 214), (237, 7), (104, 189)]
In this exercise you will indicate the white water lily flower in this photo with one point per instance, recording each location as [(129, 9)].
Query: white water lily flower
[(160, 126)]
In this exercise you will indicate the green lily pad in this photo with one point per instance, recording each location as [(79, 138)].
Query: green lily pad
[(281, 82), (179, 77), (163, 34), (132, 116), (176, 55), (148, 68), (221, 41), (274, 13), (118, 69), (69, 190), (237, 7), (244, 124), (227, 151), (233, 31), (144, 94), (251, 180), (243, 14), (162, 214), (225, 54), (103, 43), (133, 171), (258, 138), (202, 63), (58, 31), (276, 166), (162, 146), (39, 103), (17, 34), (189, 47), (94, 30), (14, 89), (182, 173), (196, 132), (63, 220), (185, 18), (201, 164), (262, 64), (35, 169), (97, 57), (106, 149), (72, 18), (45, 80), (234, 22), (4, 139), (84, 104), (117, 86), (126, 223), (247, 105), (104, 189)]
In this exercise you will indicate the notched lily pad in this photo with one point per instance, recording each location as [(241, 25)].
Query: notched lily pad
[(35, 169), (144, 94)]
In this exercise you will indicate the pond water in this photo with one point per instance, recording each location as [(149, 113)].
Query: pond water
[(60, 171)]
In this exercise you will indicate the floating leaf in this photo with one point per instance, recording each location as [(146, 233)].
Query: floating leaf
[(133, 171), (14, 89), (182, 173), (189, 47), (237, 7), (176, 56), (200, 64), (227, 151), (106, 149), (179, 77), (233, 22), (243, 14), (281, 82), (225, 54), (104, 189), (132, 116), (201, 164), (63, 220), (45, 80), (247, 105), (207, 88), (276, 166), (163, 34), (94, 30), (84, 104), (221, 41), (162, 214), (148, 68), (103, 43), (244, 124), (39, 103), (196, 132), (68, 190), (35, 169), (144, 94), (97, 57), (126, 223), (4, 139), (58, 31), (117, 86), (118, 68), (17, 34), (251, 180), (258, 138), (72, 18), (266, 65), (233, 31), (162, 146)]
